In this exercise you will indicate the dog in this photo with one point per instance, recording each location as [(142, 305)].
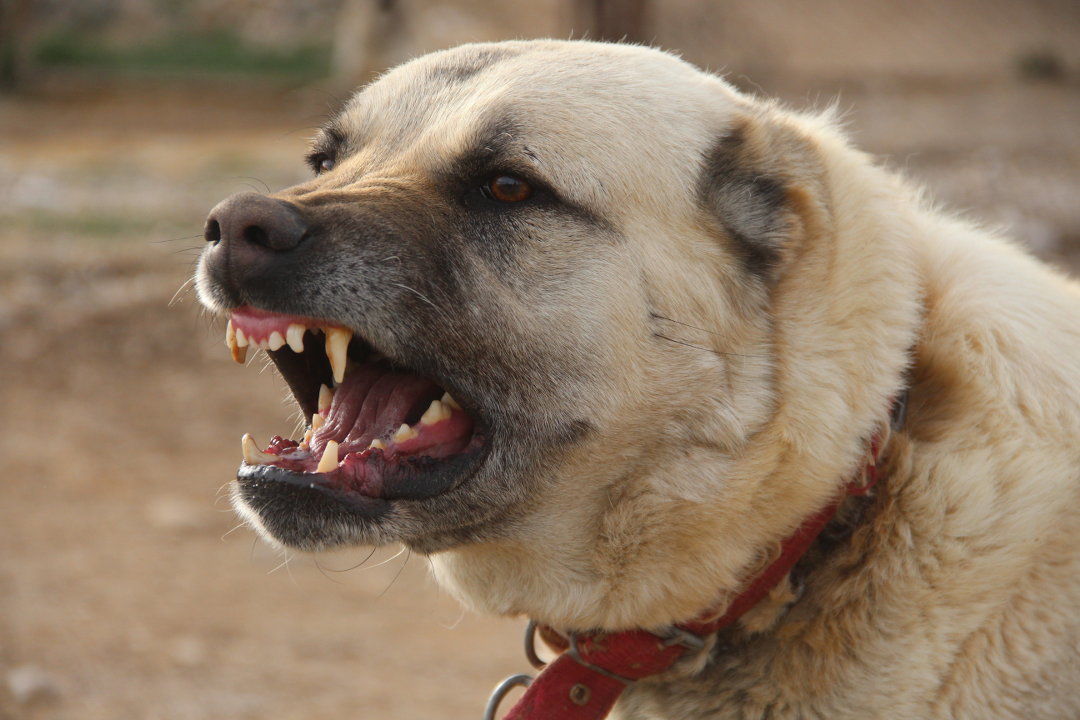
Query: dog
[(601, 333)]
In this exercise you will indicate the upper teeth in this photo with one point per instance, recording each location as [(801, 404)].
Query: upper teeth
[(337, 345), (295, 337), (239, 353)]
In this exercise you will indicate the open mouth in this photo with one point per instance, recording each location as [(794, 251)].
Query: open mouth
[(375, 431)]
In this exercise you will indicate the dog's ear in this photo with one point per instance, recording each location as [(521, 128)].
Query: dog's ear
[(762, 184)]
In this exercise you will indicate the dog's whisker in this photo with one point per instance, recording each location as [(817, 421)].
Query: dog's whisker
[(657, 316), (186, 237), (460, 617), (359, 564), (248, 177), (181, 251), (299, 129), (231, 530), (315, 559), (434, 577), (331, 95), (288, 570), (396, 576), (182, 289), (699, 347), (380, 564), (419, 294)]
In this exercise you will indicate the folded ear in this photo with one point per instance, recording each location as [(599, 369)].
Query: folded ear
[(762, 182)]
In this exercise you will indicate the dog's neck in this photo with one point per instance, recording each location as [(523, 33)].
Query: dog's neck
[(587, 679)]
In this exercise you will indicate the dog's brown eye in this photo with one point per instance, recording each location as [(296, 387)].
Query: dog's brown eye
[(326, 164), (507, 188)]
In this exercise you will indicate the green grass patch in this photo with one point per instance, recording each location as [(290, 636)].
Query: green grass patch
[(220, 52), (99, 226)]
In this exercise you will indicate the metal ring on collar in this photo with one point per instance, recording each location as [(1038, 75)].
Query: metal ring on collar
[(678, 636), (500, 692), (530, 647), (573, 650)]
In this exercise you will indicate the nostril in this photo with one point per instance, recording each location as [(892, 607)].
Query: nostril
[(212, 233), (255, 221), (256, 235)]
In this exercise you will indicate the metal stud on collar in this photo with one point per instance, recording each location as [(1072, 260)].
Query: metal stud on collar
[(580, 694)]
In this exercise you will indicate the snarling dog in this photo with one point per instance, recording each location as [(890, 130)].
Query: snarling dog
[(602, 333)]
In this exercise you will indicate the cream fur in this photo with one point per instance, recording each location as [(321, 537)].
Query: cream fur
[(727, 406), (966, 602)]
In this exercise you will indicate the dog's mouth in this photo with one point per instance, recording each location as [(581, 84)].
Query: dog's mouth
[(375, 431)]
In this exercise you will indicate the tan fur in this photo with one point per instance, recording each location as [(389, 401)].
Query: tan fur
[(958, 596), (737, 405)]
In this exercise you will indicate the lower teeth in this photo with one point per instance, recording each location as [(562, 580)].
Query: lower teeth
[(329, 461)]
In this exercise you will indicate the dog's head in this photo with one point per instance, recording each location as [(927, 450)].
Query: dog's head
[(590, 315)]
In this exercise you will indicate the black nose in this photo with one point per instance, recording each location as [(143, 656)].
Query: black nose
[(255, 219)]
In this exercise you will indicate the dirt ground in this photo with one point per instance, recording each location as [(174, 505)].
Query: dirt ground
[(126, 590)]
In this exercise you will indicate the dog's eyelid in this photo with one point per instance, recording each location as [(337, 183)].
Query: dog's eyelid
[(325, 150), (321, 162)]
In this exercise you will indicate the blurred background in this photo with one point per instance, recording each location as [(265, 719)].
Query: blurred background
[(125, 589)]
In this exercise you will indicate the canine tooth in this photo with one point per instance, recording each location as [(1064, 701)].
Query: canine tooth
[(239, 354), (447, 400), (377, 445), (294, 336), (241, 340), (317, 421), (337, 344), (276, 342), (253, 455), (405, 433), (329, 458), (307, 437), (326, 398), (436, 412)]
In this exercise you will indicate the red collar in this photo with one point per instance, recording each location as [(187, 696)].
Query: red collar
[(585, 681)]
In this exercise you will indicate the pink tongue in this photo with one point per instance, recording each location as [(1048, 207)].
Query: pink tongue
[(371, 403)]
